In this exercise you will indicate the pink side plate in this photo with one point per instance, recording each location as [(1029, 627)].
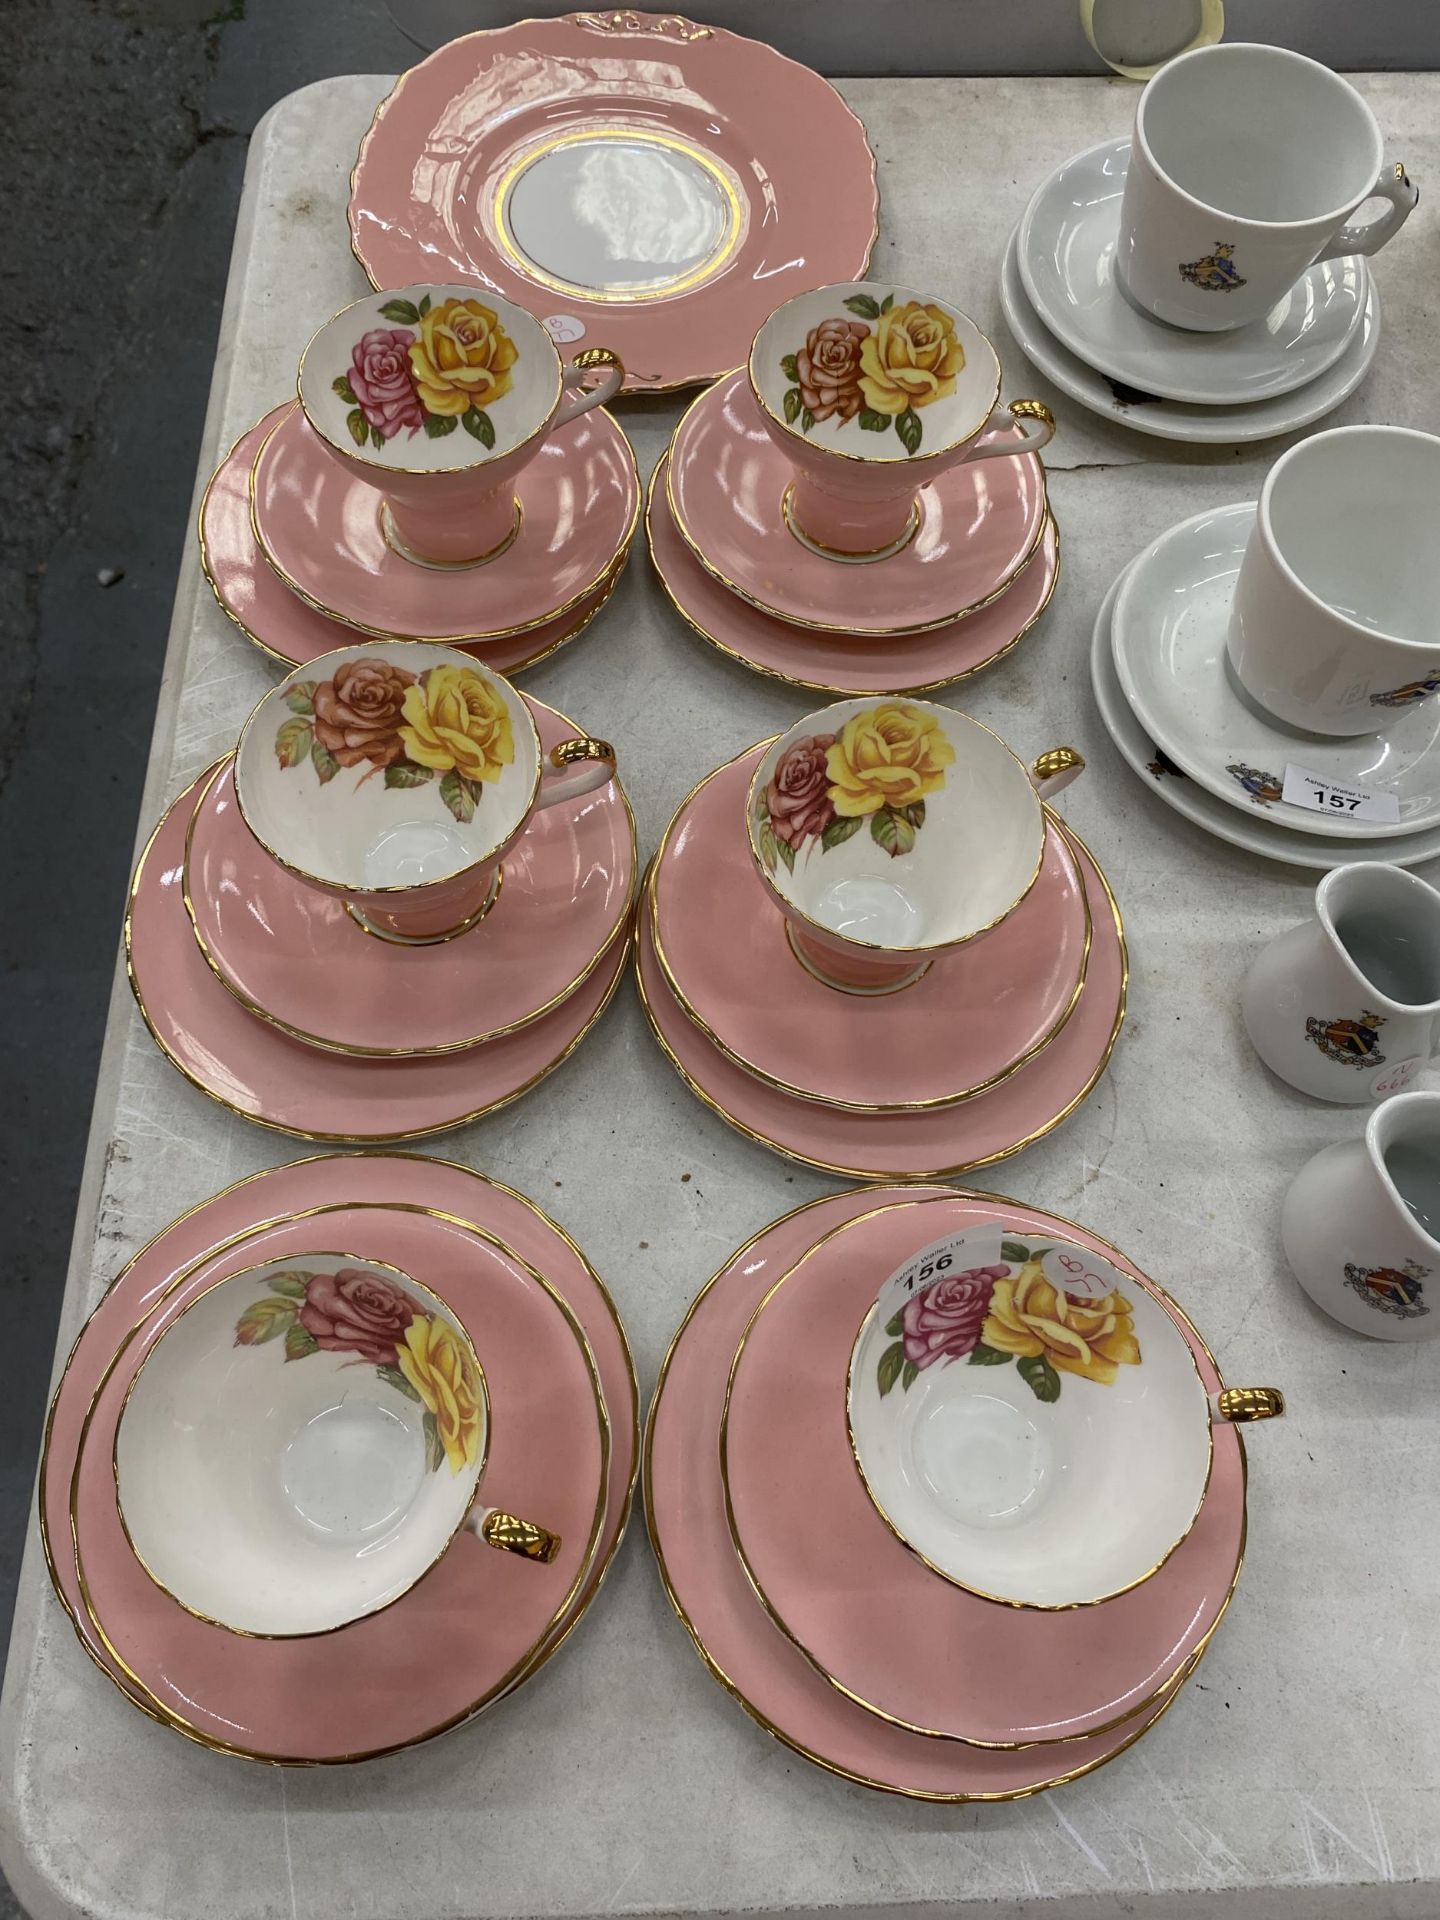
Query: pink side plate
[(227, 1224), (262, 1074), (467, 1631), (726, 483), (294, 956), (278, 621), (840, 662), (979, 1013), (910, 1146), (837, 1580), (319, 527), (772, 1680), (431, 193)]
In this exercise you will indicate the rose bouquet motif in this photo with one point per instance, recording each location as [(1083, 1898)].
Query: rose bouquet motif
[(879, 768), (379, 1324), (439, 368), (448, 722), (989, 1316), (878, 375)]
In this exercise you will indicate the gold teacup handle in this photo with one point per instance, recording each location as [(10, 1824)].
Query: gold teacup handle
[(511, 1534), (574, 767), (1240, 1405), (580, 394), (1055, 770)]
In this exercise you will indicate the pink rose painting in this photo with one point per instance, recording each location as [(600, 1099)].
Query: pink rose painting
[(940, 1322), (827, 369), (352, 1311), (797, 799), (382, 383)]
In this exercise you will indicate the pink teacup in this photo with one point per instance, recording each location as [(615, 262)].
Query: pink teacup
[(890, 831), (439, 396), (871, 390), (399, 775)]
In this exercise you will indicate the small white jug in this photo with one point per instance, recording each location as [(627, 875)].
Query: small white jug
[(1344, 1006), (1361, 1220)]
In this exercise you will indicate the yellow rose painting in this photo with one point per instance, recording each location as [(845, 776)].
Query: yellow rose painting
[(462, 358), (431, 370), (879, 376), (442, 1373), (888, 756), (457, 719), (1032, 1319)]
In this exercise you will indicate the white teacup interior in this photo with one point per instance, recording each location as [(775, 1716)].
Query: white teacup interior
[(875, 370), (301, 1445), (1355, 516), (387, 766), (1060, 1467), (429, 379), (1260, 133), (897, 823)]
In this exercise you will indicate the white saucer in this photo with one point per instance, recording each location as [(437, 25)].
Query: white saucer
[(1067, 243), (1172, 419), (1168, 635), (1254, 833)]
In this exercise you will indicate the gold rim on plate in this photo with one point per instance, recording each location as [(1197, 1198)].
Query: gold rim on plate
[(913, 1175), (603, 592), (579, 1596), (598, 1574), (617, 949), (654, 492), (757, 1072), (611, 566), (719, 1673), (643, 383), (909, 1726), (404, 1053), (827, 626)]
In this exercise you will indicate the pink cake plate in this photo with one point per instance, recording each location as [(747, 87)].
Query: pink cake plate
[(294, 956), (531, 159), (226, 1227), (472, 1627), (835, 1579), (319, 527), (726, 483), (264, 1075), (935, 1143), (839, 662), (964, 1027), (280, 623), (708, 1588)]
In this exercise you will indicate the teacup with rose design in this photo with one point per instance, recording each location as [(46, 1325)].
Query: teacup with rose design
[(439, 396), (1035, 1428), (872, 390), (891, 831), (399, 775), (303, 1442)]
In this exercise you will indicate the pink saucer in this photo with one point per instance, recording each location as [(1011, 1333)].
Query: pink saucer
[(544, 159), (228, 1222), (263, 1075), (319, 528), (910, 1146), (278, 621), (470, 1628), (294, 956), (840, 662), (837, 1579), (726, 483), (977, 1016), (685, 1511)]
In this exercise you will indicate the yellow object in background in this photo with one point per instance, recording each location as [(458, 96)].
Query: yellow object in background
[(1137, 37)]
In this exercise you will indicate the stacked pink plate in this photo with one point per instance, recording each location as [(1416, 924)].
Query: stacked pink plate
[(420, 1345), (820, 1519)]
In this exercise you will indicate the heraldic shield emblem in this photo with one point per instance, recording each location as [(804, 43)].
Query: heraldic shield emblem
[(1394, 1290), (1352, 1043), (1216, 272)]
